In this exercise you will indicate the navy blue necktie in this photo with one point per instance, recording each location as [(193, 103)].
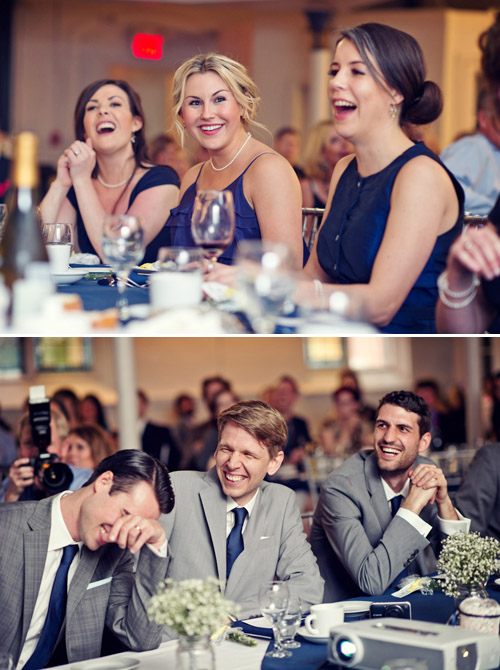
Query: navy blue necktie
[(395, 505), (55, 613), (235, 539)]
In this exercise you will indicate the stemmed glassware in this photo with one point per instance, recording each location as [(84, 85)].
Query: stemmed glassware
[(273, 600), (212, 223), (291, 623), (122, 248), (265, 280)]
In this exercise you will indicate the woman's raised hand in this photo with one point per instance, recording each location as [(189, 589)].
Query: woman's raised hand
[(477, 250), (81, 159)]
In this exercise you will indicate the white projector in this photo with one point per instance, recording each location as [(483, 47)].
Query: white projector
[(370, 643)]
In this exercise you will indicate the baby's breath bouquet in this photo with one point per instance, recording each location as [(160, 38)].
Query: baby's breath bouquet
[(467, 559), (190, 607)]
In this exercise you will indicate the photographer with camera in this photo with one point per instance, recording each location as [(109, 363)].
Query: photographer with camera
[(40, 471), (384, 511)]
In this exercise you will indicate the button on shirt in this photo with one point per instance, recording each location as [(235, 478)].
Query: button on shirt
[(58, 539), (447, 526)]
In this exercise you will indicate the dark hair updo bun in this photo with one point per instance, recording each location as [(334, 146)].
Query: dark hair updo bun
[(425, 108)]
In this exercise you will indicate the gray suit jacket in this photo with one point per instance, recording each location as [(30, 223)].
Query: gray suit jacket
[(479, 496), (103, 590), (275, 544), (360, 548)]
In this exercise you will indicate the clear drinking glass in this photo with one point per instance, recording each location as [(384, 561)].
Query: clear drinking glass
[(265, 280), (3, 218), (122, 249), (291, 623), (212, 222), (273, 601), (58, 238)]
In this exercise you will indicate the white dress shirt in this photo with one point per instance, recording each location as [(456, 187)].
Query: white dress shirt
[(230, 516)]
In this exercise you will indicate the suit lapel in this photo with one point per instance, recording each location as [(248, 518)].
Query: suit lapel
[(376, 492), (213, 502), (81, 579)]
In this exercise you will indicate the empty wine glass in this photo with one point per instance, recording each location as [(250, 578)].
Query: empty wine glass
[(212, 223), (122, 249), (291, 623), (273, 601), (265, 280)]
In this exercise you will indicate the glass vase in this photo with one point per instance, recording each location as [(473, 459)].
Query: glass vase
[(465, 591), (195, 652)]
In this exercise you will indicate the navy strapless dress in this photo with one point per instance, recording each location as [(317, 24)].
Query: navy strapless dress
[(352, 233)]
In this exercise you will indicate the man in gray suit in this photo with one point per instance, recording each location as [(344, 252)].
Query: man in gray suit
[(385, 510), (479, 495), (252, 438), (103, 523)]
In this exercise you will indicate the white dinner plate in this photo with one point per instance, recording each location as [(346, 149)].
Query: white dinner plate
[(315, 639), (125, 663), (497, 582), (71, 276), (258, 622)]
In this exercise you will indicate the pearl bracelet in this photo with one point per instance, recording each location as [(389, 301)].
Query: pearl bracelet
[(445, 293)]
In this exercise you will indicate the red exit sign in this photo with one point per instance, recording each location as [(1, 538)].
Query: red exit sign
[(147, 46)]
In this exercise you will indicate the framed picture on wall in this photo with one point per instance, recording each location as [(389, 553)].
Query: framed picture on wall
[(12, 361), (324, 352), (62, 354)]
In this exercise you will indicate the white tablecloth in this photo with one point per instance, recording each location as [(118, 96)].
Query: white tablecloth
[(228, 656)]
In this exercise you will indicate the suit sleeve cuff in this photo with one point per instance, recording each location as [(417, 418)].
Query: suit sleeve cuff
[(414, 520), (448, 526)]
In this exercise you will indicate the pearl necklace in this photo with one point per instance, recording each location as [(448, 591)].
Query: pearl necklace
[(233, 158), (114, 185)]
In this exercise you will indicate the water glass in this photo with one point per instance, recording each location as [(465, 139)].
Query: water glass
[(273, 600), (265, 281), (3, 218), (122, 249), (291, 623), (58, 238), (178, 280)]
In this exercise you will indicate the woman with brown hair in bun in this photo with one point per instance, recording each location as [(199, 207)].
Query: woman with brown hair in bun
[(393, 209)]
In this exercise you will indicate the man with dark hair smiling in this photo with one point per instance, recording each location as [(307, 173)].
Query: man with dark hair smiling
[(66, 569), (231, 524), (384, 510)]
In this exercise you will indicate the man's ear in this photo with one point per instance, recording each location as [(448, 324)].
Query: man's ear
[(275, 463), (424, 443), (104, 481)]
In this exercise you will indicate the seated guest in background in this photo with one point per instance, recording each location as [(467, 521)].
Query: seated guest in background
[(106, 170), (349, 431), (382, 510), (87, 445), (183, 408), (70, 401), (350, 378), (8, 448), (285, 397), (475, 159), (393, 209), (204, 458), (428, 389), (215, 101), (164, 150), (324, 148), (287, 143), (230, 524), (87, 536), (156, 440), (92, 411), (479, 495), (23, 483)]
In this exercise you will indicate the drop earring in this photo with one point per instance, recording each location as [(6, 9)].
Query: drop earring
[(132, 139), (394, 110)]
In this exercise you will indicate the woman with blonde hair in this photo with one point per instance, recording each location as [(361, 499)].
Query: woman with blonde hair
[(324, 148), (87, 445), (215, 102)]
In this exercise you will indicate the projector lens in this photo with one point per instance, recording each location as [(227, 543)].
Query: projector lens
[(346, 649)]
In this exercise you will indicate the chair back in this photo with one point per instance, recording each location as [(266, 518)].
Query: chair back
[(311, 218), (475, 220)]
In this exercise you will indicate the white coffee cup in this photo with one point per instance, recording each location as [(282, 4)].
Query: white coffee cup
[(323, 617), (169, 288), (59, 257)]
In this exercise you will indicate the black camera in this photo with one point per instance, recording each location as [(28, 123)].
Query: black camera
[(54, 475), (397, 610)]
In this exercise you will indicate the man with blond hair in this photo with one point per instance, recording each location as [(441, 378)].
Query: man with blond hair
[(231, 524)]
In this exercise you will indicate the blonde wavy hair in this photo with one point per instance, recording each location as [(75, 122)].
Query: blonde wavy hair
[(234, 74), (314, 163)]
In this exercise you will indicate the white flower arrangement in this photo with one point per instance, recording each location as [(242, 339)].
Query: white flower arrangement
[(191, 607), (467, 559)]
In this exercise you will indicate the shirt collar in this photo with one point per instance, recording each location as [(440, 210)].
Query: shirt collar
[(249, 506), (59, 534), (390, 494)]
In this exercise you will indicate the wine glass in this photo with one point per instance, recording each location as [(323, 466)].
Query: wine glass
[(291, 623), (273, 601), (3, 218), (212, 223), (265, 281), (122, 249)]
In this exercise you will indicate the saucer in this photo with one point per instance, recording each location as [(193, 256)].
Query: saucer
[(71, 276), (315, 639), (125, 663), (355, 606)]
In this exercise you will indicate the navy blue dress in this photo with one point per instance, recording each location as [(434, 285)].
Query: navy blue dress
[(350, 237), (158, 175), (246, 223), (491, 289)]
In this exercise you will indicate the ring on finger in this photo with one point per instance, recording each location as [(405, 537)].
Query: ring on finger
[(77, 152), (467, 245), (139, 529)]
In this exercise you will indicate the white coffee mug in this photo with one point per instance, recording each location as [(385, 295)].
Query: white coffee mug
[(323, 617), (168, 289), (59, 257)]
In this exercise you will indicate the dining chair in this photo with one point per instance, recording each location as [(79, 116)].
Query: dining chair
[(311, 218), (475, 220)]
